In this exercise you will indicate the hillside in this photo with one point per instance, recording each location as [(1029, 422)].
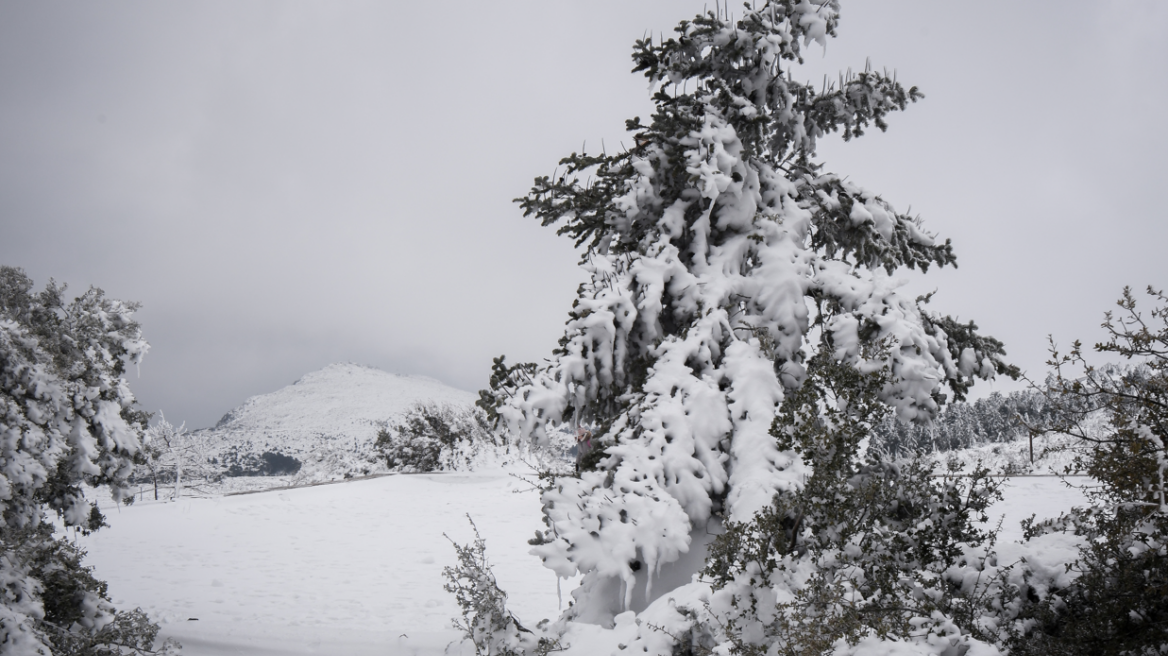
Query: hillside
[(326, 421)]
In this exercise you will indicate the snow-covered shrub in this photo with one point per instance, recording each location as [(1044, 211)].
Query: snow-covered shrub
[(486, 622), (78, 616), (725, 262), (504, 383), (1116, 603), (430, 437), (863, 550), (67, 420)]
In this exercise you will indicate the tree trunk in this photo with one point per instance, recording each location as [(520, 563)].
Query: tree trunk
[(178, 479)]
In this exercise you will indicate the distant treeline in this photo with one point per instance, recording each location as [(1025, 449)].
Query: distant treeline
[(996, 418), (236, 462)]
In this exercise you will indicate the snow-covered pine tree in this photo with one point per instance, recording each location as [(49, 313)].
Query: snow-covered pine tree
[(722, 257), (67, 419)]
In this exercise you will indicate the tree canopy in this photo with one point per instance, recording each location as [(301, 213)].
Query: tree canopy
[(725, 262), (67, 419)]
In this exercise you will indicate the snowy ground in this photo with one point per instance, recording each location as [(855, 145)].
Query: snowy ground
[(1053, 454), (1044, 496), (353, 568)]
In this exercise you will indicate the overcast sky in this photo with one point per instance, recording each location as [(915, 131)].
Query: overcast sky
[(285, 185)]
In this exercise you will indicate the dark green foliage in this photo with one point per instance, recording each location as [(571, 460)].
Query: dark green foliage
[(857, 102), (964, 336), (83, 344), (900, 528), (505, 381), (278, 464), (67, 419), (269, 463), (720, 79), (65, 580), (59, 325), (593, 214), (409, 450), (130, 634), (431, 437), (1119, 602), (591, 460)]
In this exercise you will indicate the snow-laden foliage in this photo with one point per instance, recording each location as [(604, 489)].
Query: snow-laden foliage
[(1116, 603), (864, 558), (863, 552), (430, 437), (996, 418), (172, 454), (723, 260), (486, 622), (66, 420)]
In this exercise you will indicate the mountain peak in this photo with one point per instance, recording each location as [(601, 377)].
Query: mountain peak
[(341, 398)]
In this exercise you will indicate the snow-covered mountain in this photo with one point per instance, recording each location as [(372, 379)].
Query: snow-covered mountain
[(327, 420)]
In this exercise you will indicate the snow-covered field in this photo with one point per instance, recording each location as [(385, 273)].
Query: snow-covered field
[(1053, 454), (353, 568)]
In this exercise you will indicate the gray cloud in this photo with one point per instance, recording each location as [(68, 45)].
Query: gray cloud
[(285, 186)]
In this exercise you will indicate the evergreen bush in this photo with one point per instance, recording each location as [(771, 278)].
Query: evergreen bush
[(866, 549), (67, 420), (1118, 602), (430, 437)]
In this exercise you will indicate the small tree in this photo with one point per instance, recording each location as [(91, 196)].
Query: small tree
[(67, 420), (726, 264), (1116, 605), (430, 437), (173, 454)]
